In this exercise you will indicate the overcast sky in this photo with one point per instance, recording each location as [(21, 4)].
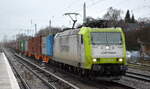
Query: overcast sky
[(16, 15)]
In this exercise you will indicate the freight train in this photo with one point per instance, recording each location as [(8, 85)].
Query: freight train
[(94, 52)]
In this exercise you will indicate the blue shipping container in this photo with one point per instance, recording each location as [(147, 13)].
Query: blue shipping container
[(49, 45)]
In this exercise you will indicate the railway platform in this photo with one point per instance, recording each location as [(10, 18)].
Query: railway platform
[(7, 78)]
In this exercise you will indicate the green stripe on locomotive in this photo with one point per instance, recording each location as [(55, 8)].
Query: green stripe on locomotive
[(85, 31)]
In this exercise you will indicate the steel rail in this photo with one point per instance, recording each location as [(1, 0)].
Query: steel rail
[(70, 86), (138, 76), (106, 87), (140, 64), (40, 77), (23, 82)]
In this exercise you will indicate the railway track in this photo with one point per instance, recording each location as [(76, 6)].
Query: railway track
[(43, 84), (138, 76), (98, 84), (22, 83), (104, 85), (73, 79), (63, 84), (71, 86), (146, 65), (140, 64)]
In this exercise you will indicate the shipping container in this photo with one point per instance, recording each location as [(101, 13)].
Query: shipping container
[(49, 45), (30, 46), (47, 48), (44, 49), (37, 45), (22, 45), (26, 45), (17, 45)]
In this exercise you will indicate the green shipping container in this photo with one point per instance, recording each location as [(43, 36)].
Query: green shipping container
[(22, 45)]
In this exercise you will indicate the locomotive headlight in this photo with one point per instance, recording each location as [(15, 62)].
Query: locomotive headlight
[(120, 59), (107, 47), (94, 60)]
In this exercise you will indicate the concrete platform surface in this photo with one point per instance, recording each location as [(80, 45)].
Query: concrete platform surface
[(7, 78)]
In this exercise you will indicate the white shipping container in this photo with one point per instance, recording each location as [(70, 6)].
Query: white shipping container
[(26, 45)]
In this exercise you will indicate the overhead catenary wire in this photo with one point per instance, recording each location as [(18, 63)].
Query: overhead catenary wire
[(89, 5), (93, 3)]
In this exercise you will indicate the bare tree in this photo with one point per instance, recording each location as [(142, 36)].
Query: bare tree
[(47, 31), (22, 37), (112, 14)]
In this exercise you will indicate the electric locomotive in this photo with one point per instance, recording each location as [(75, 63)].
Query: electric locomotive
[(99, 52)]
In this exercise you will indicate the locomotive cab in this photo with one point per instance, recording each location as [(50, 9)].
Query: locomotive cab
[(105, 51)]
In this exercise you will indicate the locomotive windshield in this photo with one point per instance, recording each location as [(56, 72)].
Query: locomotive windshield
[(106, 38)]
